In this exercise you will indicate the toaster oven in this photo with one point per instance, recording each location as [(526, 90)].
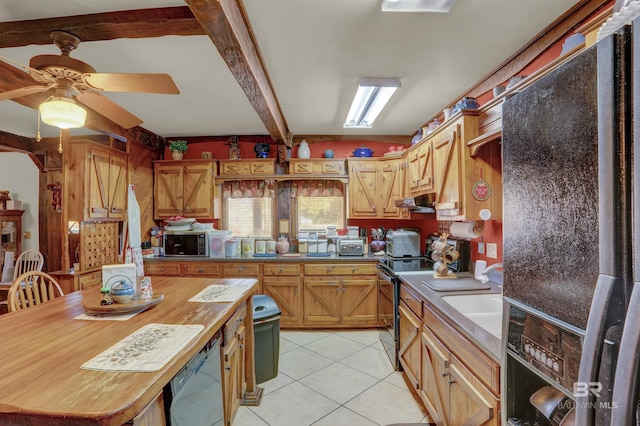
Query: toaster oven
[(403, 244), (350, 247)]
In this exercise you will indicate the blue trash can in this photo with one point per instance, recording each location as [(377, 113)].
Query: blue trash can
[(266, 329)]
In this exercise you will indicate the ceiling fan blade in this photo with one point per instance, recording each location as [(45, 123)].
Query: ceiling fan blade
[(24, 91), (138, 83), (109, 109)]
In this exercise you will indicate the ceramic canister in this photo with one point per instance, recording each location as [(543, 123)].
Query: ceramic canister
[(247, 246), (261, 247), (271, 246)]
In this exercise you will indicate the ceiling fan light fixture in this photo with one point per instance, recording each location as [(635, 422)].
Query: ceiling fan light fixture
[(371, 97), (62, 112)]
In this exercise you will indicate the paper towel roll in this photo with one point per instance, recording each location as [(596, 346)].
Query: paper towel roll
[(463, 230)]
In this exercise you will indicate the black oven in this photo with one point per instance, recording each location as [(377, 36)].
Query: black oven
[(388, 300), (388, 294)]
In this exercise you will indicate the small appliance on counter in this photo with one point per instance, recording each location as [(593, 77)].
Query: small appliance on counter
[(351, 246), (403, 244)]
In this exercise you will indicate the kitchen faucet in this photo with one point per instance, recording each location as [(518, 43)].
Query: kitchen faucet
[(483, 275)]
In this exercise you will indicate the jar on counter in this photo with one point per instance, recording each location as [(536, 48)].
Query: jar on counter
[(261, 247), (282, 246)]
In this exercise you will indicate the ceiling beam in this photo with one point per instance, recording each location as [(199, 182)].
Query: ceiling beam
[(227, 24), (140, 23)]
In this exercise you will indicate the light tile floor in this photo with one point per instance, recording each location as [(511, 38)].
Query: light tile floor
[(333, 378)]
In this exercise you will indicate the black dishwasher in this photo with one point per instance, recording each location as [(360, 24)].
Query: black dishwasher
[(194, 395)]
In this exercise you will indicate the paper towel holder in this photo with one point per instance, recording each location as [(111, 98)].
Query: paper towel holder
[(469, 231)]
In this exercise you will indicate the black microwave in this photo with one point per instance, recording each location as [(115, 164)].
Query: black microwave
[(187, 243)]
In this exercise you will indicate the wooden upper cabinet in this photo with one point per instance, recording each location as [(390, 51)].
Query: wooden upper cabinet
[(97, 177), (247, 168), (363, 188), (183, 188), (374, 185), (107, 185), (319, 167), (465, 186), (391, 184), (419, 161)]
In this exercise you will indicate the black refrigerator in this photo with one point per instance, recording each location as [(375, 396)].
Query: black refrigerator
[(570, 225)]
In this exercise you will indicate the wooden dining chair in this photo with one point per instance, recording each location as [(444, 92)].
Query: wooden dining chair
[(31, 289), (29, 260)]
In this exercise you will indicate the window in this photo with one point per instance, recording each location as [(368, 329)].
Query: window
[(250, 217), (320, 212)]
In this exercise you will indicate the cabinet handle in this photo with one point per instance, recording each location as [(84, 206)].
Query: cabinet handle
[(161, 269), (240, 319), (343, 289), (228, 368), (337, 289), (297, 289), (407, 298), (451, 381), (444, 374), (281, 270), (200, 270), (240, 346)]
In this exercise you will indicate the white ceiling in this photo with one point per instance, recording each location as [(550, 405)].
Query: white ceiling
[(314, 51)]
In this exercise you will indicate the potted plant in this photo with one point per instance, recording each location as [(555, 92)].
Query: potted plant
[(177, 148)]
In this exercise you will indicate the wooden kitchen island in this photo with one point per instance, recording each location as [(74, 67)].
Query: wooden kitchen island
[(44, 347)]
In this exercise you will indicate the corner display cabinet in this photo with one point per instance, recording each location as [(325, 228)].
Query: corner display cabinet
[(183, 188)]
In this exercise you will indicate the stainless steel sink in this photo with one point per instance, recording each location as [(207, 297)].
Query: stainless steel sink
[(485, 310)]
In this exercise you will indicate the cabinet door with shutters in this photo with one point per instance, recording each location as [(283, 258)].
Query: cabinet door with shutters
[(363, 192), (167, 197), (359, 300), (287, 293), (321, 301), (391, 176), (409, 353), (197, 193)]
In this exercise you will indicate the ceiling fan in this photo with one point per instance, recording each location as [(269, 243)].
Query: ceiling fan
[(71, 79)]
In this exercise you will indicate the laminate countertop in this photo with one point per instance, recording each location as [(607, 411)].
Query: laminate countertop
[(288, 257), (44, 347), (485, 340)]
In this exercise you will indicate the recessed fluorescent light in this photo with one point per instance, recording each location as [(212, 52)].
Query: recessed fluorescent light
[(438, 6), (372, 95)]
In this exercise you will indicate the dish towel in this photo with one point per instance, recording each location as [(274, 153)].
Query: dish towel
[(147, 349)]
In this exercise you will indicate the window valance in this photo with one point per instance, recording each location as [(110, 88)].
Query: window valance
[(249, 189)]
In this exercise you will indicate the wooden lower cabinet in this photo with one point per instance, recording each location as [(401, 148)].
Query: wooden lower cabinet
[(309, 295), (234, 384), (348, 300), (451, 392), (152, 414), (409, 352), (287, 293)]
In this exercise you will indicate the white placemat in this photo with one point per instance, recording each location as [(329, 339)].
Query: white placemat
[(220, 293), (105, 317), (147, 349)]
